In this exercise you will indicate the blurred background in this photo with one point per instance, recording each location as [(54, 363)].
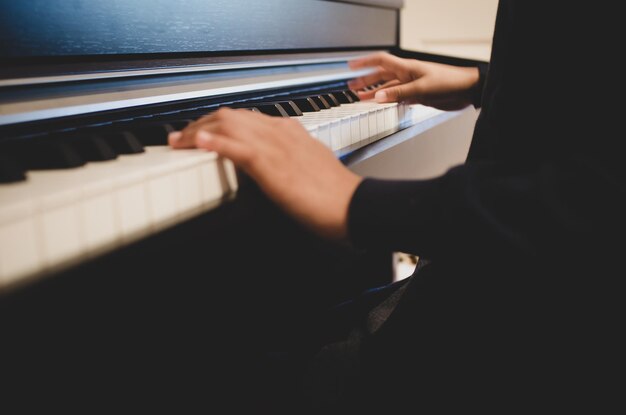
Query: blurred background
[(449, 27)]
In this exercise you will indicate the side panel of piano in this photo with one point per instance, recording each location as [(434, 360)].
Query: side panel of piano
[(128, 271)]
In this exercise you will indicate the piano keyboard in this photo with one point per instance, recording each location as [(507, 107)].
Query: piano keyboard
[(346, 128), (62, 216)]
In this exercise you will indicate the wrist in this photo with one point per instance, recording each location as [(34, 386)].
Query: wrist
[(476, 92)]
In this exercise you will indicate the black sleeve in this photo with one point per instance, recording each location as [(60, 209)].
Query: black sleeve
[(490, 211), (477, 93)]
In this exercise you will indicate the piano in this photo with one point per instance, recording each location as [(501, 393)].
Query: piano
[(115, 249)]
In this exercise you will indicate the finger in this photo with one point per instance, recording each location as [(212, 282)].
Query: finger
[(230, 122), (388, 62), (372, 79), (369, 94), (411, 91), (238, 152), (186, 137), (183, 138), (178, 140)]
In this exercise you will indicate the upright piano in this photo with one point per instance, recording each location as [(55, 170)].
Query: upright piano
[(130, 266)]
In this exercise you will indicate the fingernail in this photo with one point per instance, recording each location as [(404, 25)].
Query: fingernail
[(381, 95), (175, 136), (203, 138)]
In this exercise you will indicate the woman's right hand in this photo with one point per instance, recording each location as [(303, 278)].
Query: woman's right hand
[(437, 85)]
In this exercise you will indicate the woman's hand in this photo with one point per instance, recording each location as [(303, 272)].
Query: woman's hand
[(295, 170), (441, 86)]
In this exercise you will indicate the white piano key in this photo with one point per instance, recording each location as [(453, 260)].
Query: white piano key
[(17, 201), (391, 117), (231, 176), (395, 116), (335, 135), (132, 189), (214, 180), (132, 209), (162, 197), (372, 121), (380, 120), (323, 133), (62, 235), (20, 253), (408, 114), (355, 129), (132, 169), (364, 126), (57, 188), (346, 132), (211, 183), (402, 119), (63, 196), (100, 227), (188, 186)]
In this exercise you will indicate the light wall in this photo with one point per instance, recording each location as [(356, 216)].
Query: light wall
[(461, 28)]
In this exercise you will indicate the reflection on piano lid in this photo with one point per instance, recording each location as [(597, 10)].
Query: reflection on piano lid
[(84, 118)]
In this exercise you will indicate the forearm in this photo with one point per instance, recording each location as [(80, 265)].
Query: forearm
[(486, 212), (447, 87)]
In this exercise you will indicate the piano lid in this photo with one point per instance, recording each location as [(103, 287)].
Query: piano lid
[(133, 28), (44, 43)]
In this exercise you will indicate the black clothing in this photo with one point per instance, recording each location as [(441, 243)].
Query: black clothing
[(544, 175), (520, 302)]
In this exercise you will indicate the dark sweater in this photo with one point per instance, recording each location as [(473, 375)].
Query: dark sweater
[(544, 181), (521, 303), (520, 306)]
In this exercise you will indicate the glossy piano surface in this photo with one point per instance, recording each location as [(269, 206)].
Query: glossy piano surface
[(85, 27)]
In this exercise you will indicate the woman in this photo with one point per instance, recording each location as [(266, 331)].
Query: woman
[(518, 302)]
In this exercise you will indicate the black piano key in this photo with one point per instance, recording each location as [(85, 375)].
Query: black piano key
[(321, 102), (306, 104), (352, 94), (92, 148), (47, 154), (10, 170), (123, 142), (178, 124), (153, 134), (275, 110), (291, 108), (342, 98), (330, 98), (253, 109)]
